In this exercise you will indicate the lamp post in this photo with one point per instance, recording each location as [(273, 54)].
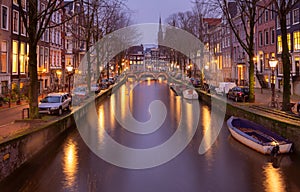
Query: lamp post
[(273, 63), (70, 72)]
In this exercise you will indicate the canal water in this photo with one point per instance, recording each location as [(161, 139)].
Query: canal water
[(70, 165)]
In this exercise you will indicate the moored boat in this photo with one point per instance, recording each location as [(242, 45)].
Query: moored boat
[(258, 137), (190, 94)]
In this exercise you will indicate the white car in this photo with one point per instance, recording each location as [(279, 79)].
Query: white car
[(55, 103), (224, 88)]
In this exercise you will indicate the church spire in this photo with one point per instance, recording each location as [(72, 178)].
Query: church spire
[(160, 32)]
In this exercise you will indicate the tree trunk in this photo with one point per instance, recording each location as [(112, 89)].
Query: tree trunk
[(286, 65), (33, 88)]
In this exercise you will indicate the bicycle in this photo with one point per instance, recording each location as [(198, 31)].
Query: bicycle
[(275, 103)]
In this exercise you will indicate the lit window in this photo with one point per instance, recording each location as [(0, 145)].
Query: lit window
[(3, 53), (279, 44), (297, 41), (22, 58), (15, 57), (289, 41)]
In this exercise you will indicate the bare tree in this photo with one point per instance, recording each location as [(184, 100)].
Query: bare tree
[(283, 8), (36, 21), (246, 18)]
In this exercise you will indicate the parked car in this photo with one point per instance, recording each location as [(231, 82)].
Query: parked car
[(79, 94), (239, 93), (105, 83), (55, 103), (111, 80), (224, 87), (95, 88)]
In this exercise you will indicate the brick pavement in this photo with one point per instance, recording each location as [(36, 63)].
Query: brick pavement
[(9, 127)]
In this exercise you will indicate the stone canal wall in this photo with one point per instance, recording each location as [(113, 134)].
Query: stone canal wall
[(19, 149), (283, 127)]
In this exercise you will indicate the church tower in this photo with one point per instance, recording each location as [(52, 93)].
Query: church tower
[(160, 33)]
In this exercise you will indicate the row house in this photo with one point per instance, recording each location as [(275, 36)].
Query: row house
[(19, 47), (293, 36), (56, 58), (5, 46), (265, 43), (59, 46), (43, 55), (212, 50)]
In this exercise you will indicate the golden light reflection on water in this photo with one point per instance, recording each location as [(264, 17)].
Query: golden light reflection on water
[(101, 123), (207, 133), (273, 181), (113, 107), (70, 164), (206, 122), (189, 114)]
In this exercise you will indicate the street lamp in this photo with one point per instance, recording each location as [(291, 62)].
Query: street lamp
[(70, 72), (273, 62)]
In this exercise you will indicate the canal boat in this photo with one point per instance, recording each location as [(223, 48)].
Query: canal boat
[(190, 94), (258, 137)]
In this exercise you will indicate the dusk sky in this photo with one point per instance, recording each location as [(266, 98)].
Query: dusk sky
[(148, 11)]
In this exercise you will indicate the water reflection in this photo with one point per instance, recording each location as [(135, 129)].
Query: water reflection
[(70, 165), (273, 181), (101, 123)]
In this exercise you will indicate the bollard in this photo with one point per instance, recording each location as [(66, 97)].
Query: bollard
[(23, 113)]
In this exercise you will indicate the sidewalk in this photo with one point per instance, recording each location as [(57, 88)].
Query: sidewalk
[(263, 97)]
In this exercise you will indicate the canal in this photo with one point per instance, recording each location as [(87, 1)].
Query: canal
[(69, 164)]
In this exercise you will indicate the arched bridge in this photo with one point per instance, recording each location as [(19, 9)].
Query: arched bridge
[(142, 75)]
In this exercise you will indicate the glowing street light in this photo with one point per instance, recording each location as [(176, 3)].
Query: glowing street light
[(273, 63)]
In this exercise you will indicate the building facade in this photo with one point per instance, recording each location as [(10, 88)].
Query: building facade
[(5, 47), (293, 36)]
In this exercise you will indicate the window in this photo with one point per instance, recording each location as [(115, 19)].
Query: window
[(3, 62), (272, 36), (266, 16), (4, 18), (41, 56), (266, 60), (46, 58), (15, 57), (289, 41), (277, 23), (15, 21), (266, 37), (288, 20), (23, 29), (297, 41), (279, 44), (296, 16), (260, 15), (22, 58), (272, 11), (46, 34), (260, 38)]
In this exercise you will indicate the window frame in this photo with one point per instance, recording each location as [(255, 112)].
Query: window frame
[(15, 22), (7, 17)]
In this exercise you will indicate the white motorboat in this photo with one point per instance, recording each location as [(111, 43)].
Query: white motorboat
[(190, 94)]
